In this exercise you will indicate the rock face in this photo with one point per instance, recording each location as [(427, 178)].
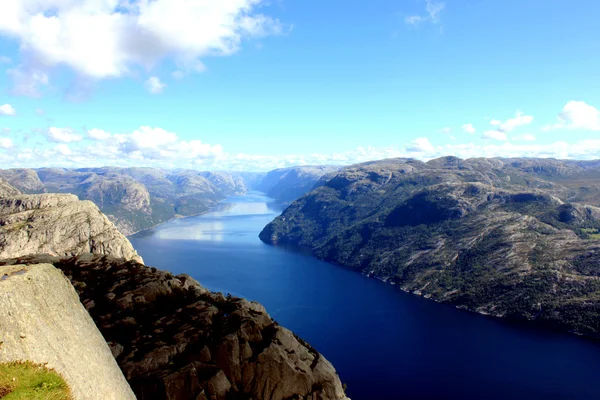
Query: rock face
[(507, 238), (7, 190), (287, 184), (25, 179), (175, 340), (58, 225), (43, 321)]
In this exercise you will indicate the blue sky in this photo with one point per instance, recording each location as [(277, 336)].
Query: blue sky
[(251, 84)]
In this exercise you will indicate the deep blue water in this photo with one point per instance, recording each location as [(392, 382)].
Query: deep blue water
[(385, 344)]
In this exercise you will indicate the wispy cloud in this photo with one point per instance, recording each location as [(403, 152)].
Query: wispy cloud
[(469, 128), (154, 85), (63, 135), (432, 14), (503, 127)]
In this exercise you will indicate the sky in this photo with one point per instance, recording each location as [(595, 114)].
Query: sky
[(258, 84)]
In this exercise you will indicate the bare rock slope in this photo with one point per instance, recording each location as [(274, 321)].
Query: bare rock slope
[(58, 225), (43, 321), (173, 339)]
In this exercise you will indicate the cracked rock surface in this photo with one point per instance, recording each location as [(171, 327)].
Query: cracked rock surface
[(59, 225)]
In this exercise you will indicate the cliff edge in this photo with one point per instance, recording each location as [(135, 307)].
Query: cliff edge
[(43, 321), (174, 339), (58, 224)]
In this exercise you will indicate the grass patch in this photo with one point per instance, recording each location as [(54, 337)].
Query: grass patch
[(591, 233), (27, 381)]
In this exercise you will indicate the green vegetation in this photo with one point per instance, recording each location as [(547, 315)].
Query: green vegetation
[(27, 381), (591, 233)]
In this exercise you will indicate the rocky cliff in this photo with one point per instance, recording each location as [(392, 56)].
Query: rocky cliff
[(507, 238), (175, 340), (135, 198), (43, 321), (58, 224), (7, 190)]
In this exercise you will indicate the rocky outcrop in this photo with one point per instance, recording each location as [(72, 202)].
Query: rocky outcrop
[(43, 321), (58, 225), (7, 190), (499, 237), (174, 339)]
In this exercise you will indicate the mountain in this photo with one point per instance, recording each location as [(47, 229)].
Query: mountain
[(7, 190), (504, 237), (171, 338), (135, 198), (287, 184)]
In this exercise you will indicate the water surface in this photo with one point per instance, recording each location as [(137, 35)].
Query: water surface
[(385, 344)]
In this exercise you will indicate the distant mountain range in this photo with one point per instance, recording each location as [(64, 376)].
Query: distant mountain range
[(140, 198), (516, 238)]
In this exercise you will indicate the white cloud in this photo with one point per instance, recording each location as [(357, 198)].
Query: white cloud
[(5, 60), (27, 81), (527, 137), (502, 128), (446, 130), (433, 10), (577, 115), (40, 112), (469, 128), (6, 143), (154, 85), (109, 38), (5, 131), (496, 135), (7, 110), (63, 149), (512, 123), (420, 145), (169, 152), (99, 134), (63, 135)]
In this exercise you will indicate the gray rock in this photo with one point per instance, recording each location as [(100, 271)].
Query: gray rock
[(58, 225), (42, 321)]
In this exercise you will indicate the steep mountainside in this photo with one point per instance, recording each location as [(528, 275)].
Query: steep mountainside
[(287, 184), (7, 190), (58, 224), (500, 237), (25, 179), (175, 340), (134, 198)]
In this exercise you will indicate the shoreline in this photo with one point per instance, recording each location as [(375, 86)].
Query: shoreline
[(180, 216), (514, 320)]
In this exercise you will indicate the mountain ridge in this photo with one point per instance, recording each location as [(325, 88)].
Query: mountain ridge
[(501, 237)]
